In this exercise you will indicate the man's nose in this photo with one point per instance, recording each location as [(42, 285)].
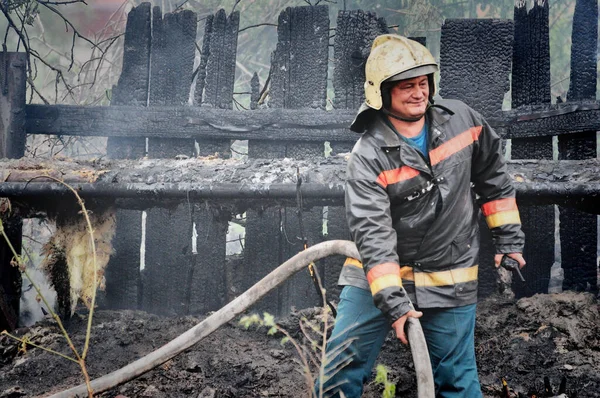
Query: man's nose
[(417, 92)]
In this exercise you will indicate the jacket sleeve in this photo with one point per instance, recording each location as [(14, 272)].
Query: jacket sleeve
[(370, 223), (493, 185)]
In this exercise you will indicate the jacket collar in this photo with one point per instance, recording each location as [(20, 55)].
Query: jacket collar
[(436, 115), (439, 114)]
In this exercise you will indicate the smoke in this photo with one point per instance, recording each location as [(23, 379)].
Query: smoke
[(32, 309)]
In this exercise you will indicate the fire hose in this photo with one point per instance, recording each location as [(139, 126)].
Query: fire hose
[(418, 346)]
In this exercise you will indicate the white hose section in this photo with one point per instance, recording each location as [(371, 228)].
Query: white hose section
[(300, 261)]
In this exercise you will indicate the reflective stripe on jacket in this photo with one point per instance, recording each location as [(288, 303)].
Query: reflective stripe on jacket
[(415, 223)]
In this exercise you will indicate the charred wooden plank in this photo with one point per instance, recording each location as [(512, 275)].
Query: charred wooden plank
[(275, 124), (191, 122), (549, 120), (12, 145), (531, 86), (267, 181), (475, 60), (578, 230)]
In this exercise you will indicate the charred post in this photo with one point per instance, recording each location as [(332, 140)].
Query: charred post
[(219, 51), (354, 35), (579, 231), (208, 281), (475, 57), (123, 270), (132, 87), (531, 85), (299, 80), (168, 245), (475, 60), (12, 145), (171, 65)]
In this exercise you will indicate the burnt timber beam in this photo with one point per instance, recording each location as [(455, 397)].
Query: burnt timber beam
[(586, 196), (259, 182), (548, 120), (191, 122), (275, 124)]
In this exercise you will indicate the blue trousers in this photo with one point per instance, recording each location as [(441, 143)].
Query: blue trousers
[(360, 330)]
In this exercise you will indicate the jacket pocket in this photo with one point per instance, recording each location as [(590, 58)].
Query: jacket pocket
[(461, 245), (466, 289)]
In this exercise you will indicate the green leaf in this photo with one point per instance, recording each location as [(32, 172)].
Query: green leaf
[(269, 319), (381, 376)]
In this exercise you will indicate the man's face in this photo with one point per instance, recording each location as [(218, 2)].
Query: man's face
[(410, 97)]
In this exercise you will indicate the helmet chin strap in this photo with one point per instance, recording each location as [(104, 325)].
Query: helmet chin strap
[(406, 119)]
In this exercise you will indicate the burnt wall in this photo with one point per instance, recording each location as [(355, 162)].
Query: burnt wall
[(578, 230), (168, 241), (298, 80), (123, 283), (475, 59), (531, 86), (186, 270)]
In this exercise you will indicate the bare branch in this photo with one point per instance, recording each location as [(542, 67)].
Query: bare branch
[(67, 22), (235, 5), (255, 26), (61, 3), (180, 6), (239, 105)]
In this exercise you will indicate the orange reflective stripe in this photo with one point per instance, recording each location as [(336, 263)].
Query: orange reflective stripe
[(384, 275), (503, 218), (454, 145), (382, 270), (353, 262), (403, 173), (496, 206)]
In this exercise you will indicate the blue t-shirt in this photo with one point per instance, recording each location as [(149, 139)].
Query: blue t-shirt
[(420, 141)]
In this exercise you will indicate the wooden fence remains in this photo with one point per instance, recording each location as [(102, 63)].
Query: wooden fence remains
[(185, 268)]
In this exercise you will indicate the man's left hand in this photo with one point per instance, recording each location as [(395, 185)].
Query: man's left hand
[(398, 325), (515, 256)]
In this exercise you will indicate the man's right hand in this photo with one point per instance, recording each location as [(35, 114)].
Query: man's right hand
[(399, 324)]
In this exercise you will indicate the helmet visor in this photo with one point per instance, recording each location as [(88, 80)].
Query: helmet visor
[(414, 72)]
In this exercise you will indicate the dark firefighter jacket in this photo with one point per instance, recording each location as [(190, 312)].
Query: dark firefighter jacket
[(415, 222)]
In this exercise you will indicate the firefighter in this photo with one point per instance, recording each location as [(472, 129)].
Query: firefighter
[(415, 180)]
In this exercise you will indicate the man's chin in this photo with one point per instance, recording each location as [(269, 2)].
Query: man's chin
[(417, 110), (417, 114)]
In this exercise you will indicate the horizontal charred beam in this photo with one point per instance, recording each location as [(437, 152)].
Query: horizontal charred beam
[(156, 193), (274, 124), (139, 195), (258, 182), (191, 122), (549, 120)]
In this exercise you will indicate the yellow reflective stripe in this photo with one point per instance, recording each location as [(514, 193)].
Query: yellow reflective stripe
[(420, 279), (385, 281), (354, 262), (406, 273), (445, 278), (503, 218)]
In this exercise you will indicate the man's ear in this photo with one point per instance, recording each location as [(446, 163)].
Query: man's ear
[(386, 94)]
